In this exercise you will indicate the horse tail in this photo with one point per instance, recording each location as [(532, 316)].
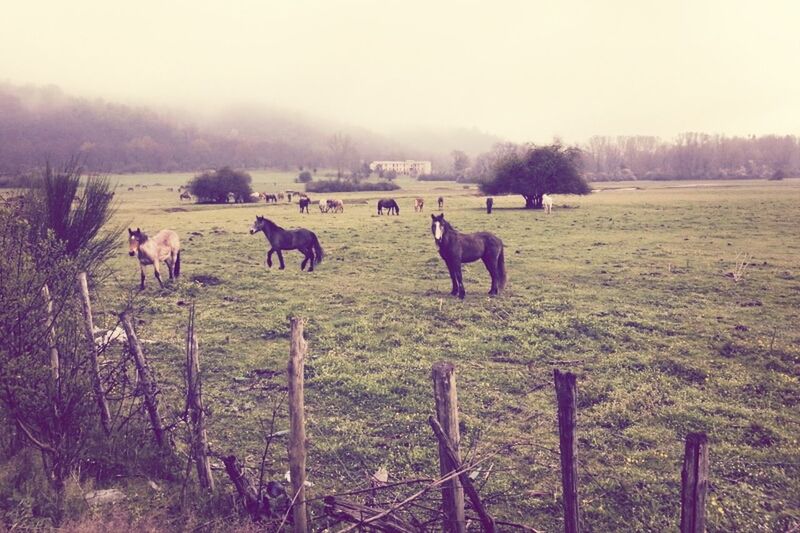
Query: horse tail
[(177, 268), (318, 251), (501, 271)]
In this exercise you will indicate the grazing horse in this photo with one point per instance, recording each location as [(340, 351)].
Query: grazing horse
[(185, 196), (270, 198), (335, 205), (130, 188), (304, 203), (489, 204), (419, 203), (280, 239), (441, 202), (323, 206), (458, 248), (165, 246), (390, 204), (547, 203)]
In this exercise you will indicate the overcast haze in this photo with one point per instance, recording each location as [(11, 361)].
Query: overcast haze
[(522, 70)]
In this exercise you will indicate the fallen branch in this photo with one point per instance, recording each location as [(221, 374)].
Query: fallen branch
[(486, 519)]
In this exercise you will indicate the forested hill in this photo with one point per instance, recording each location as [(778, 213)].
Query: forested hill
[(39, 124)]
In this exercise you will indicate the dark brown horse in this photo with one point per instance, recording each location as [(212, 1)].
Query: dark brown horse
[(390, 204), (280, 239), (458, 248)]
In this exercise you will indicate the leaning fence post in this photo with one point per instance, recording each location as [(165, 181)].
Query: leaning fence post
[(694, 481), (148, 384), (566, 394), (297, 429), (444, 394), (88, 325), (194, 405)]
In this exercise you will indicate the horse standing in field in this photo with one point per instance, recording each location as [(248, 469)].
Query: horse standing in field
[(185, 196), (419, 203), (165, 246), (390, 204), (323, 206), (458, 248), (280, 239), (547, 203), (441, 203), (304, 203), (334, 205), (489, 204)]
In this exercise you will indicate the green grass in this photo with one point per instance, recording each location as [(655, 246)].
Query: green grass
[(626, 288)]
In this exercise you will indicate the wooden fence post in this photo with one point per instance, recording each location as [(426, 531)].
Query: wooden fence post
[(88, 326), (566, 394), (297, 428), (444, 394), (147, 382), (694, 481), (194, 405)]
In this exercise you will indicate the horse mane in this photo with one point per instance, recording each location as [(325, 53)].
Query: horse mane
[(142, 238)]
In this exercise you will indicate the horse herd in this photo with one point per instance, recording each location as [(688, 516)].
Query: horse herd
[(455, 248)]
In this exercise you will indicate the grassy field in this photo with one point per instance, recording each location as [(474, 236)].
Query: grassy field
[(628, 287)]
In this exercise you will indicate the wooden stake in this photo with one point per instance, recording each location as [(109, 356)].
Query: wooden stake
[(445, 397), (694, 481), (566, 394), (297, 429), (91, 347), (194, 405), (147, 382)]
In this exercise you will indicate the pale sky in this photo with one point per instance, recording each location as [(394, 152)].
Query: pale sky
[(524, 70)]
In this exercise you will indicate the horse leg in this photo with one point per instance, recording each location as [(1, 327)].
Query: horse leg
[(280, 258), (457, 270), (491, 266), (268, 259), (311, 258), (158, 274), (141, 283), (170, 266), (453, 278)]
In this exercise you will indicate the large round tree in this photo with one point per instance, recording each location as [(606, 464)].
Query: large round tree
[(214, 186), (534, 171)]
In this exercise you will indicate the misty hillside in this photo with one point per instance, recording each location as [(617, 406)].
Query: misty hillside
[(39, 124)]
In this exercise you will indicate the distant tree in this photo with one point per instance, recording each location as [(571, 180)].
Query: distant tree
[(215, 186), (342, 151), (534, 171), (389, 175), (304, 177), (778, 175), (460, 161)]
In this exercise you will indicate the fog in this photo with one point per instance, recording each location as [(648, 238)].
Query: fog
[(525, 71)]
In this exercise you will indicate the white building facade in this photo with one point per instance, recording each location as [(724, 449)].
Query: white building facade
[(408, 167)]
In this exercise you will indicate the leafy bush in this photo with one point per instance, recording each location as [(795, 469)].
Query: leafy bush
[(214, 186), (348, 186), (304, 177)]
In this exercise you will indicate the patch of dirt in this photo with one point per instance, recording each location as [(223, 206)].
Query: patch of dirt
[(175, 210), (203, 279)]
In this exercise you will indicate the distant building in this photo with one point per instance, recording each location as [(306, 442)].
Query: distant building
[(408, 167)]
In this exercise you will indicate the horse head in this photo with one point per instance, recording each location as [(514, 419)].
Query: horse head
[(438, 227), (135, 238), (258, 225)]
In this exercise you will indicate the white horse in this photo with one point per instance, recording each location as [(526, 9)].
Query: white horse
[(547, 203), (323, 206)]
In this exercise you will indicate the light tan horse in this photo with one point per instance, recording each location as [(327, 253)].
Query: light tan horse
[(419, 203), (165, 246)]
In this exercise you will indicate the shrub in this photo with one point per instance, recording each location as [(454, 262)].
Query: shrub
[(348, 186), (214, 186), (304, 177)]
